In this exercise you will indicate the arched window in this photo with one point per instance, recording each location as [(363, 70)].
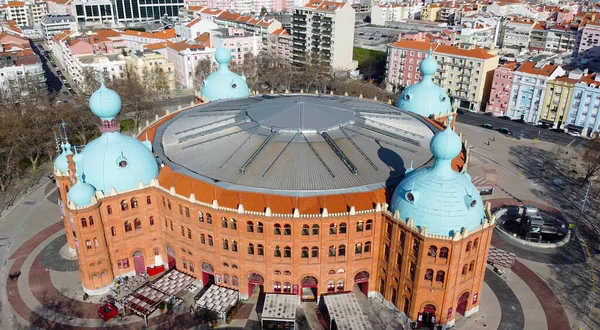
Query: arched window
[(148, 200), (124, 205), (260, 250), (169, 204), (315, 229), (234, 266), (233, 224), (342, 250), (184, 264), (233, 246), (369, 225), (225, 244), (127, 226), (191, 265), (210, 240), (88, 244), (287, 230), (156, 252), (277, 229), (342, 228), (200, 216), (250, 226), (367, 247), (330, 286), (304, 253), (287, 272), (432, 252), (182, 231), (223, 222), (331, 272), (305, 230), (332, 250), (287, 287), (209, 218), (360, 226), (180, 209), (234, 281), (137, 223), (471, 266), (189, 232), (287, 252), (439, 276), (250, 248), (429, 275), (277, 252), (83, 222), (468, 248), (109, 209), (91, 220), (277, 287), (476, 244), (151, 221), (113, 231), (171, 224), (358, 248), (134, 203), (444, 253), (464, 270), (315, 252), (332, 229), (259, 227), (202, 239), (95, 242), (225, 264), (226, 279)]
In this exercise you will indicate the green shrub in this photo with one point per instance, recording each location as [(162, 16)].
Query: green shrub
[(127, 125)]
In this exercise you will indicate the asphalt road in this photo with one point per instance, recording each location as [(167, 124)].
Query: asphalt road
[(53, 82), (529, 131)]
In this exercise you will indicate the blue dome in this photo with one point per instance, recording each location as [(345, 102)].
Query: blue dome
[(60, 162), (105, 103), (81, 193), (437, 197), (224, 84), (117, 161), (425, 98)]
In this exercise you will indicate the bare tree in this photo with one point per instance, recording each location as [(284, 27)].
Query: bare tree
[(202, 70), (591, 160)]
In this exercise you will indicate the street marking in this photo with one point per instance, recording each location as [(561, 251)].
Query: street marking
[(568, 145)]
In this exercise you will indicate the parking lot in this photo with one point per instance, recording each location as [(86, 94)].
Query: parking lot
[(375, 36)]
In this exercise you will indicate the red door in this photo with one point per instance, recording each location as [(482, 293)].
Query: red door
[(171, 260), (138, 264), (462, 303)]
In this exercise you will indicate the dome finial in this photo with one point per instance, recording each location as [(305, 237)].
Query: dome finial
[(428, 66), (223, 56)]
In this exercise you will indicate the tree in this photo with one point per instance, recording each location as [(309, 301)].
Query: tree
[(591, 160), (263, 12), (202, 70), (367, 19), (135, 97)]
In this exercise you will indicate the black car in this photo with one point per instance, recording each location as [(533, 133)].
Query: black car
[(460, 111), (488, 126), (520, 121), (488, 114), (505, 131), (505, 117)]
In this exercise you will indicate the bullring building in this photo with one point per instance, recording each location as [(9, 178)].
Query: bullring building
[(304, 194)]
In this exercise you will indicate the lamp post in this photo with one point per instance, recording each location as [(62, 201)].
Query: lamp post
[(585, 198)]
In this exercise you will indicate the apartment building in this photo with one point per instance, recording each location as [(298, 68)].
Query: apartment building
[(185, 56), (53, 24), (94, 12), (553, 38), (59, 7), (323, 30), (588, 41), (23, 13), (515, 34), (394, 12), (136, 40), (583, 114), (194, 28), (477, 33), (528, 89), (238, 43), (152, 68), (19, 65), (557, 99), (251, 25), (280, 44), (431, 12), (465, 72), (500, 89), (444, 37)]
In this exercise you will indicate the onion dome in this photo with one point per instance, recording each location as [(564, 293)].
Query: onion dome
[(437, 197), (105, 103), (114, 160), (81, 193), (224, 84), (425, 98), (60, 162)]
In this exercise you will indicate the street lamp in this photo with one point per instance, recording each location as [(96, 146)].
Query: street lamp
[(585, 198)]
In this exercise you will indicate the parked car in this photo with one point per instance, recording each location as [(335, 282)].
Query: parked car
[(488, 126), (574, 134), (460, 111), (520, 121), (505, 131), (505, 117), (488, 114)]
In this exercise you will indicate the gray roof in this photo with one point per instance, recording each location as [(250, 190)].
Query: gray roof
[(295, 145)]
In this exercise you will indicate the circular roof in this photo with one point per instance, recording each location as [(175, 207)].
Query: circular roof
[(300, 114), (296, 145)]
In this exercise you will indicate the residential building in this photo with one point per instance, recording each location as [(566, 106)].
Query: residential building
[(153, 69), (11, 27), (394, 12), (553, 38), (280, 44), (52, 24), (588, 43), (479, 30), (136, 40), (59, 7), (95, 12), (238, 43), (16, 11), (19, 64), (194, 28), (444, 37), (251, 25), (465, 72), (500, 89), (515, 34), (324, 31), (557, 99), (508, 8), (583, 115), (528, 89), (431, 12), (185, 56)]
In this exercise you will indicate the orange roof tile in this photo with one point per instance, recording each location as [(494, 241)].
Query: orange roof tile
[(193, 22), (15, 4), (529, 67), (565, 78), (108, 33), (165, 34), (195, 8), (325, 5), (225, 15), (209, 11), (156, 46), (475, 52)]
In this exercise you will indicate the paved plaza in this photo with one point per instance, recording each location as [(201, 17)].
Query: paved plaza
[(547, 288)]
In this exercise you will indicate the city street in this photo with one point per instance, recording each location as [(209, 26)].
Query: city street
[(529, 131), (53, 82)]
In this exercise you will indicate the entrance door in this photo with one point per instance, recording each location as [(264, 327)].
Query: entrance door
[(426, 319), (309, 288), (463, 300), (138, 262), (208, 274), (362, 280), (254, 280), (171, 257)]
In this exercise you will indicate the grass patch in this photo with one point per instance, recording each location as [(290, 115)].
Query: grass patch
[(371, 63)]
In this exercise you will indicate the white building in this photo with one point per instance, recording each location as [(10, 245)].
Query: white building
[(324, 30), (193, 29), (515, 34), (394, 12), (25, 13), (184, 57), (479, 31), (53, 24), (136, 40), (237, 42)]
